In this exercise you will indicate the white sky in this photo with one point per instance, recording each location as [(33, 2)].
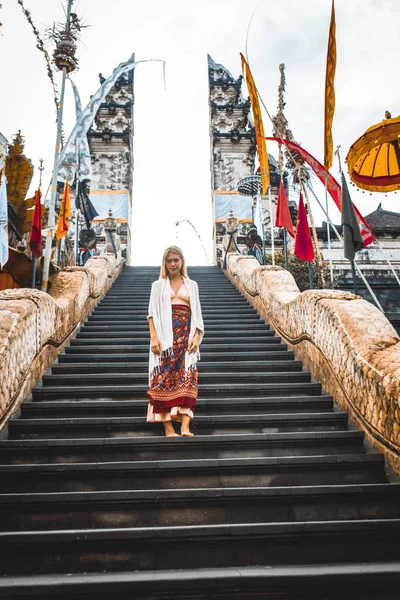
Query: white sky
[(171, 143)]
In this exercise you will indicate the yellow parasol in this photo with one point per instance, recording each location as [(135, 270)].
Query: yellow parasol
[(373, 160)]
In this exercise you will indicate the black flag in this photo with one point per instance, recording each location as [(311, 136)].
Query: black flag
[(84, 204), (351, 230)]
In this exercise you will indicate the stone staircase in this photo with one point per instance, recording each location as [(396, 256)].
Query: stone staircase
[(277, 496)]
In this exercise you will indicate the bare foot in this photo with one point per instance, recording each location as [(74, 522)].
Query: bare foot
[(185, 426), (170, 431)]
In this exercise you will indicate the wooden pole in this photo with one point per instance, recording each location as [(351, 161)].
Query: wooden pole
[(271, 224), (34, 261), (52, 204), (353, 272), (328, 231), (310, 275), (285, 249)]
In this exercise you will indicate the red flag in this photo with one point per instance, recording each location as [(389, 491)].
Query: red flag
[(36, 232), (283, 218), (303, 246)]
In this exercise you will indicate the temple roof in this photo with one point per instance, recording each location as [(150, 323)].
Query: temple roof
[(383, 219), (217, 67), (383, 222)]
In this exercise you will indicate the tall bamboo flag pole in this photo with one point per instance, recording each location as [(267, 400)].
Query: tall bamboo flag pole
[(281, 122), (52, 217), (329, 114)]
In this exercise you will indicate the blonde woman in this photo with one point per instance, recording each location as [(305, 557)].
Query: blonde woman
[(176, 331)]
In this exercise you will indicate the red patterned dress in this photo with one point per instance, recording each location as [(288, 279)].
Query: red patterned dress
[(173, 390)]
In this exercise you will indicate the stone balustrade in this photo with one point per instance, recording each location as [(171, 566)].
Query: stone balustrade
[(347, 343), (35, 326)]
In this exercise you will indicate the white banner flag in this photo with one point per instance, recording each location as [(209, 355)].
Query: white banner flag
[(3, 222), (68, 163), (83, 162)]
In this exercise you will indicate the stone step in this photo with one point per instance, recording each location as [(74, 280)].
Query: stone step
[(136, 299), (223, 313), (140, 305), (143, 294), (341, 469), (244, 405), (210, 390), (202, 546), (74, 354), (204, 424), (226, 406), (339, 581), (142, 339), (236, 324), (142, 334), (215, 348), (263, 366), (82, 450), (216, 377), (209, 321), (197, 507)]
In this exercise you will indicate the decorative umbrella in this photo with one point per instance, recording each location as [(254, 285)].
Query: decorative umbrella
[(373, 160), (17, 272)]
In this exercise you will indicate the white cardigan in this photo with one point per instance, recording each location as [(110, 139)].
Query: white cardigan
[(160, 309)]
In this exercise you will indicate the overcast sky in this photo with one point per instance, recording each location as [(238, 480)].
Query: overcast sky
[(171, 144)]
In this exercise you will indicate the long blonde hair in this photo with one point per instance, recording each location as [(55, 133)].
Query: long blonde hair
[(173, 250)]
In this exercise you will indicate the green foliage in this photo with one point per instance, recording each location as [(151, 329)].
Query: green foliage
[(299, 269)]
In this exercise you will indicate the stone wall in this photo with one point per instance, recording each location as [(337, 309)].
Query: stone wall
[(347, 344), (35, 326)]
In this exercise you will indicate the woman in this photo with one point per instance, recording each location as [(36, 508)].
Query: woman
[(176, 331)]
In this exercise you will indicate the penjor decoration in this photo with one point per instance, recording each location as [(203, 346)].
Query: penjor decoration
[(330, 92)]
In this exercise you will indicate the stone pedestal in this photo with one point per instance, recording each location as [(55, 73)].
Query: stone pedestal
[(110, 228)]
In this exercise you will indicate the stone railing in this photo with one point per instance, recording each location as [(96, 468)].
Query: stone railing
[(35, 326), (348, 345)]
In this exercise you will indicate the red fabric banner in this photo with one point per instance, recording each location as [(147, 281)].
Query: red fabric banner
[(35, 241), (283, 218), (333, 186), (303, 246)]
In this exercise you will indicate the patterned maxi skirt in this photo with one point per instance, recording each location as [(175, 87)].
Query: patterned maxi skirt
[(173, 391)]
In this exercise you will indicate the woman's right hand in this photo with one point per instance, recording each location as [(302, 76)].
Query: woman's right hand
[(155, 345)]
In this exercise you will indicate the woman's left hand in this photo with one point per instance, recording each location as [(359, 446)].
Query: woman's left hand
[(194, 344)]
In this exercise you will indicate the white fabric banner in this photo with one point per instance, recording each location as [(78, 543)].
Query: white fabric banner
[(240, 205), (83, 161), (119, 204), (67, 165), (3, 222)]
